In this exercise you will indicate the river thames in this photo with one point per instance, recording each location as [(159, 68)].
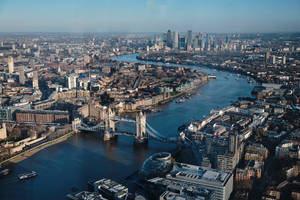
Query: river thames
[(69, 165)]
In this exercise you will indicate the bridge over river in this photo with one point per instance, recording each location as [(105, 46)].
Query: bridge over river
[(144, 130)]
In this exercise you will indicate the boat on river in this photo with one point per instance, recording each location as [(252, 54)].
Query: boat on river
[(181, 100), (27, 175), (4, 172)]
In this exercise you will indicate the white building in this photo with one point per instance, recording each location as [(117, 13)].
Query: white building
[(219, 182), (11, 65), (71, 81), (35, 80)]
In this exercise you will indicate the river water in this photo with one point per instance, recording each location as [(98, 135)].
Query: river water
[(68, 166)]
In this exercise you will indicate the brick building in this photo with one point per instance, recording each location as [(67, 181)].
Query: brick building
[(42, 116)]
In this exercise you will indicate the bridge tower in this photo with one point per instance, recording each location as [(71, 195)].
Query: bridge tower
[(109, 125), (111, 114), (141, 135)]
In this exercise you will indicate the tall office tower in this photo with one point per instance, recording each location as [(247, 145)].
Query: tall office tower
[(164, 38), (182, 43), (274, 60), (22, 76), (35, 80), (13, 47), (1, 44), (71, 81), (195, 43), (207, 45), (169, 38), (284, 60), (11, 65), (267, 56), (226, 39), (200, 36), (202, 44), (175, 40), (189, 38)]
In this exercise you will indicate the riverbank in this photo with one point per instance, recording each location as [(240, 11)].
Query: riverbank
[(24, 155), (168, 100), (210, 66)]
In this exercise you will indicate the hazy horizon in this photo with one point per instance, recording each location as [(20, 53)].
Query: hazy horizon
[(150, 16)]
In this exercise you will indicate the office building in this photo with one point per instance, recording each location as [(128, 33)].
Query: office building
[(284, 60), (110, 189), (233, 142), (10, 65), (182, 43), (189, 38), (267, 57), (227, 162), (177, 188), (22, 78), (221, 183), (169, 38), (175, 40), (195, 43), (35, 80), (274, 60), (71, 81)]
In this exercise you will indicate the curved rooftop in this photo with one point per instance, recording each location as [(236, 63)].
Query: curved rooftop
[(158, 164)]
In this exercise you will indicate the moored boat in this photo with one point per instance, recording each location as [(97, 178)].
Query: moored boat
[(27, 175)]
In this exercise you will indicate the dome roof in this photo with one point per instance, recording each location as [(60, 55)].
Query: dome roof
[(159, 164)]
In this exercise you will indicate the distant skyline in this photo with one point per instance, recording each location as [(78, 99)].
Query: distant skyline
[(219, 16)]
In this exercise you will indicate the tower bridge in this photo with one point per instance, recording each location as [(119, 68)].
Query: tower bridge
[(143, 129)]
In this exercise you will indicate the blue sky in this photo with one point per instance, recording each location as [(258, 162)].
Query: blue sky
[(149, 15)]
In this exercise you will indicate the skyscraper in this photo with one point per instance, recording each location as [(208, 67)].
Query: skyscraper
[(182, 44), (175, 40), (22, 76), (189, 37), (274, 60), (169, 38), (284, 60), (195, 43), (11, 65), (35, 80), (267, 57)]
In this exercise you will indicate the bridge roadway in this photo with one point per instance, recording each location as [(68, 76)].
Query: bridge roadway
[(151, 132)]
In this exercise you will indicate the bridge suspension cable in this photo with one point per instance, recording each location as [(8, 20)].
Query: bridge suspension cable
[(149, 129)]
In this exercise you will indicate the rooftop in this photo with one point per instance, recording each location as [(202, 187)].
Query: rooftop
[(198, 174), (189, 189)]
